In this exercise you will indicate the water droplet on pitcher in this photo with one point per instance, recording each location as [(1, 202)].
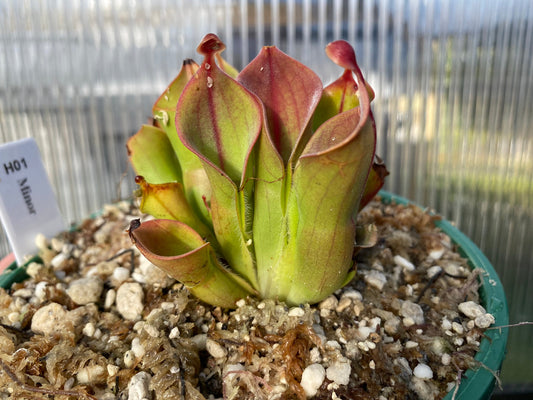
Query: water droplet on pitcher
[(209, 82), (207, 66), (163, 117)]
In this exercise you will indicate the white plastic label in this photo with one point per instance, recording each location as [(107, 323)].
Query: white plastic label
[(27, 202)]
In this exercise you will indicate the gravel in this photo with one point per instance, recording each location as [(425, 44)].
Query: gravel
[(215, 349), (471, 309), (484, 321), (413, 312), (129, 300), (85, 290), (51, 319)]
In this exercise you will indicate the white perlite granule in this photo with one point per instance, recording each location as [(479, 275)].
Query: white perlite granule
[(312, 378), (376, 279), (339, 372), (422, 371), (139, 387), (405, 264)]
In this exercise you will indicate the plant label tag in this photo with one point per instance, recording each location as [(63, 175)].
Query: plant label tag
[(27, 202)]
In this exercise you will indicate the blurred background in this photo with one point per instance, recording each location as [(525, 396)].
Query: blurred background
[(454, 102)]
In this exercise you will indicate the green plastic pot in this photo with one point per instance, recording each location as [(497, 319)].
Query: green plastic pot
[(475, 384), (14, 273)]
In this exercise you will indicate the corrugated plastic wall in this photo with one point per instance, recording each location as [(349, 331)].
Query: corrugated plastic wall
[(454, 84)]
